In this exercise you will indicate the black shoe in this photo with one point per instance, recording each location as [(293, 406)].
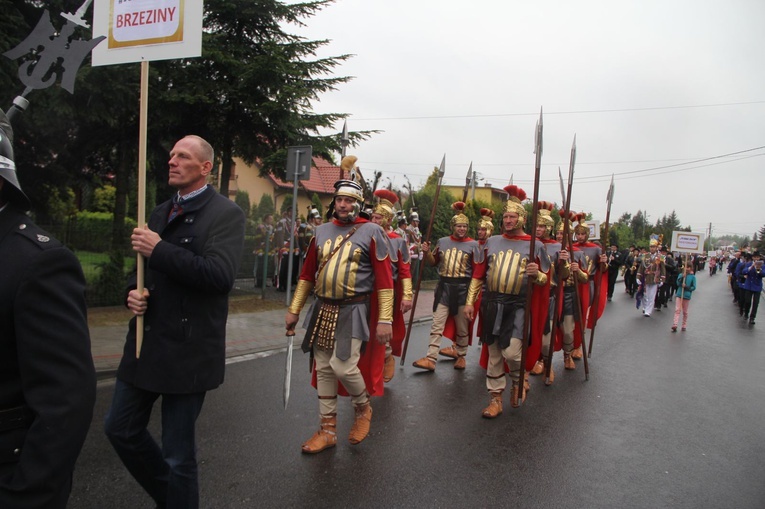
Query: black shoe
[(751, 321)]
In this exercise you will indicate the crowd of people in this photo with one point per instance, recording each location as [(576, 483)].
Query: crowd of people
[(531, 296), (357, 280)]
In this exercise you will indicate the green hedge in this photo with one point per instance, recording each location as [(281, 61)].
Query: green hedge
[(92, 231)]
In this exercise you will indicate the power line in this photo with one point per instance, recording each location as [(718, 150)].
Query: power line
[(635, 173), (564, 112)]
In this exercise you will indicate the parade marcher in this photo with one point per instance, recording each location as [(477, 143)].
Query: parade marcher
[(348, 269), (686, 285), (560, 270), (740, 275), (630, 271), (414, 241), (507, 266), (484, 230), (671, 271), (400, 223), (382, 214), (263, 233), (455, 257), (752, 287), (597, 271), (615, 260), (576, 295), (731, 275), (193, 248), (651, 275), (47, 378)]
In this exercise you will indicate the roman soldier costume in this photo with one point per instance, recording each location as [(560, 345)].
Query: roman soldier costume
[(486, 224), (455, 257), (503, 268), (597, 271), (402, 278), (348, 270)]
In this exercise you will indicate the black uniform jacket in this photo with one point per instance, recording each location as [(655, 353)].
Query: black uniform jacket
[(47, 379), (189, 276)]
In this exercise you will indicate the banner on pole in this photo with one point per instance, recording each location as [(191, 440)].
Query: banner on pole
[(594, 229), (146, 30), (687, 242)]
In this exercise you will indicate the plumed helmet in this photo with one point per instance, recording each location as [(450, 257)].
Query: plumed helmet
[(349, 188), (413, 215), (516, 195), (566, 216), (385, 201), (486, 221), (459, 217), (400, 218), (544, 216), (12, 192), (581, 226)]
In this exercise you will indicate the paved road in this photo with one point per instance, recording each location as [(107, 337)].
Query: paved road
[(666, 420)]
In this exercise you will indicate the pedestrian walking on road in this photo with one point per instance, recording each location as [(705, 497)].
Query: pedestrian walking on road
[(348, 269), (455, 256), (193, 247), (686, 285), (507, 265), (753, 287)]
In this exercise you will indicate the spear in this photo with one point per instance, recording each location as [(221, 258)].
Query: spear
[(467, 183), (558, 293), (344, 142), (532, 258), (567, 238), (441, 171), (599, 281)]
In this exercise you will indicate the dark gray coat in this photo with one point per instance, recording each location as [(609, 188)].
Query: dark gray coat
[(189, 276)]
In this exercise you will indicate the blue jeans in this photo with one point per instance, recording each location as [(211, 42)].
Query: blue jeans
[(169, 475)]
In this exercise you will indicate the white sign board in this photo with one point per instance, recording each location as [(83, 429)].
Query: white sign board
[(687, 242), (145, 30), (594, 229)]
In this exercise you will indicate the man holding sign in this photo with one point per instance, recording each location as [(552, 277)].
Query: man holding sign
[(193, 246)]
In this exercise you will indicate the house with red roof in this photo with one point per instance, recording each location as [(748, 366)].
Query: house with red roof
[(322, 180)]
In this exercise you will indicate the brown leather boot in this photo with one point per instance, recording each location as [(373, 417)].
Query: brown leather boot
[(538, 368), (361, 425), (450, 352), (425, 363), (568, 362), (389, 368), (495, 406), (325, 438), (460, 363), (577, 353), (514, 397)]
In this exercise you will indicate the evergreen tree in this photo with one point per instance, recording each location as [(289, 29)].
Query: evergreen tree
[(265, 207), (250, 94)]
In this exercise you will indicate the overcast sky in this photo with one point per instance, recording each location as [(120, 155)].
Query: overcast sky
[(669, 96)]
